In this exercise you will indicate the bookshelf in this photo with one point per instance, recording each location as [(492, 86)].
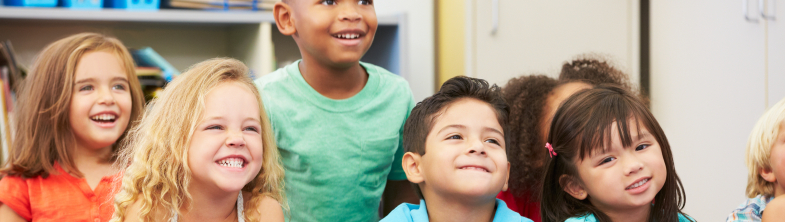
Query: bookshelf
[(185, 37)]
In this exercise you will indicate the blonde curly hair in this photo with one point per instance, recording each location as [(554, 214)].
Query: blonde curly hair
[(762, 139), (156, 156)]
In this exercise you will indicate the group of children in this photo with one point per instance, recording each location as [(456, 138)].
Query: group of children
[(329, 138)]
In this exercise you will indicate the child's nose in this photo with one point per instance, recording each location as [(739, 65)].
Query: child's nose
[(477, 148), (633, 165), (105, 97), (235, 140), (350, 13)]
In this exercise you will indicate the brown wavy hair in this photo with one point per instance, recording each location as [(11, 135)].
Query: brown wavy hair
[(527, 95), (43, 132)]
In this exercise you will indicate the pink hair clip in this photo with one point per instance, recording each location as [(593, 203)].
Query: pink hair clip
[(550, 150)]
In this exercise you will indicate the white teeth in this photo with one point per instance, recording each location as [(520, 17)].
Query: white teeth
[(636, 185), (474, 168), (104, 117), (231, 162), (347, 36)]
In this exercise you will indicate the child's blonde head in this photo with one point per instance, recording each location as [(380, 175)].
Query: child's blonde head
[(158, 174), (762, 138), (43, 132)]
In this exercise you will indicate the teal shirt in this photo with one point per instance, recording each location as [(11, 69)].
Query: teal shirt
[(591, 218), (407, 212), (337, 154)]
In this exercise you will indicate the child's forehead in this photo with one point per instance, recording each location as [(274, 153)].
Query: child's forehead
[(464, 110)]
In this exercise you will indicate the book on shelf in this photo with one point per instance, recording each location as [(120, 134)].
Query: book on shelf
[(152, 81), (222, 4), (147, 57)]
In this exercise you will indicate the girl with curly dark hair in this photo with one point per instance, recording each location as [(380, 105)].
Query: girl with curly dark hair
[(533, 100)]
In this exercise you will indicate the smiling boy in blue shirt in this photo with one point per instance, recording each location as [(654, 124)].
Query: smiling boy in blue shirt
[(456, 154)]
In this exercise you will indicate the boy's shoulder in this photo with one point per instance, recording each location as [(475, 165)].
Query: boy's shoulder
[(503, 213), (402, 212), (277, 76), (750, 210)]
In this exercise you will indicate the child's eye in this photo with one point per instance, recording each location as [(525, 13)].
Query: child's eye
[(118, 87), (328, 2), (641, 147), (606, 160), (365, 2), (251, 128), (86, 88), (214, 127), (455, 137), (494, 141)]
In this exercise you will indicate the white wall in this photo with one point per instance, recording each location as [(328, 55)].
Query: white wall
[(420, 41), (707, 91)]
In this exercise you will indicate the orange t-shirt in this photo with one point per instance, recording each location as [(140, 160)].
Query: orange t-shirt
[(59, 197)]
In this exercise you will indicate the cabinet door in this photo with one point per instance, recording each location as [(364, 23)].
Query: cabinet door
[(539, 36), (707, 92), (776, 51)]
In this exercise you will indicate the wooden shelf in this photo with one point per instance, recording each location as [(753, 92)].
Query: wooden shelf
[(156, 16)]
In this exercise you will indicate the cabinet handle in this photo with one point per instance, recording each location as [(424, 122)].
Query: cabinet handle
[(495, 18), (746, 9), (762, 8)]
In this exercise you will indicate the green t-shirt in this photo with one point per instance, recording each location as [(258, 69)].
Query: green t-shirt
[(338, 154)]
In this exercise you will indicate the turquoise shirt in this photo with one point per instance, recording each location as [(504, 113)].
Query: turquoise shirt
[(591, 218), (416, 213), (337, 154)]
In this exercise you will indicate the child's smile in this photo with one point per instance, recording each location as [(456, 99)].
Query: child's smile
[(334, 31), (466, 156), (226, 148), (232, 163), (101, 103), (622, 177)]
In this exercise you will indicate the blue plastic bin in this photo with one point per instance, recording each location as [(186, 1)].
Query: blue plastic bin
[(31, 3), (133, 4), (82, 4)]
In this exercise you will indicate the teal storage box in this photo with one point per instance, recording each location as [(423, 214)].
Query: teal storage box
[(31, 3), (133, 4), (82, 4)]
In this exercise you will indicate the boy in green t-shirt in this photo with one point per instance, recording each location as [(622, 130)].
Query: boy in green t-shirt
[(338, 121)]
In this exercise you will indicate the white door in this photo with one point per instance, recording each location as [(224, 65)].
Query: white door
[(539, 36), (776, 50), (707, 91)]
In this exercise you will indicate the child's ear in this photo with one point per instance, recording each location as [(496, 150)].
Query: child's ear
[(411, 166), (572, 187), (283, 18), (768, 175), (507, 179)]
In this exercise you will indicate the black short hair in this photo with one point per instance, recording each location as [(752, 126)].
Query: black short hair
[(424, 114)]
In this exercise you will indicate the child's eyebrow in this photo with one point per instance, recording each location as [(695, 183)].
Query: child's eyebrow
[(451, 126), (120, 79), (642, 135), (84, 80), (491, 129)]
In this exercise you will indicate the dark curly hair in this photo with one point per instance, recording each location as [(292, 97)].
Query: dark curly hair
[(527, 97)]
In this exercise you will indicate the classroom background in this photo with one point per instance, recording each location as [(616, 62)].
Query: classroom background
[(710, 68)]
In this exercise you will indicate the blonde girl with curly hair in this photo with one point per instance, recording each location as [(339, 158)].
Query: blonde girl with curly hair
[(75, 106), (204, 151)]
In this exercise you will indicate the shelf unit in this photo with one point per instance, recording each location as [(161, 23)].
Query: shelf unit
[(185, 37)]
